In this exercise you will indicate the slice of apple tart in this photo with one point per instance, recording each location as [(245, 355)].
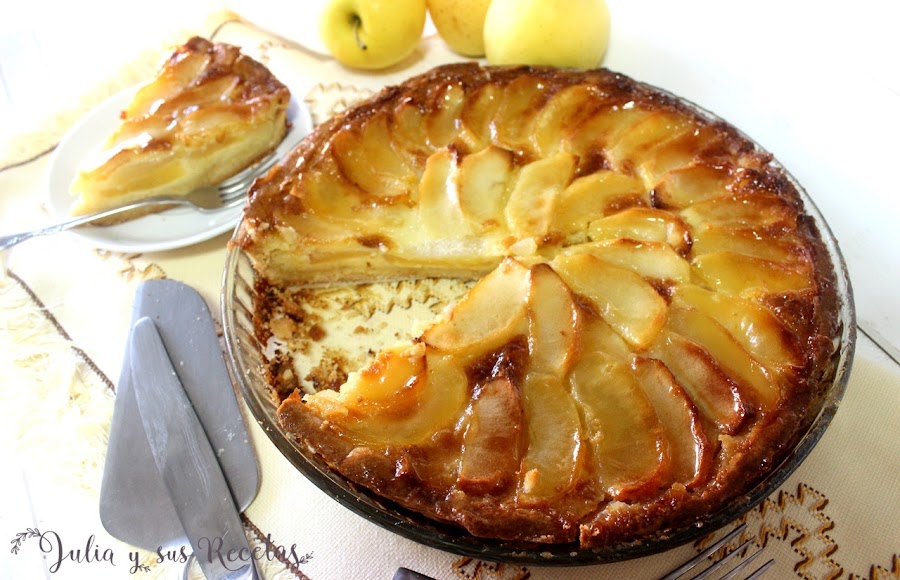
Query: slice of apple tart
[(646, 326), (210, 112)]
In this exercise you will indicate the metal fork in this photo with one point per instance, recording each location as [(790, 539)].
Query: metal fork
[(230, 193), (718, 566)]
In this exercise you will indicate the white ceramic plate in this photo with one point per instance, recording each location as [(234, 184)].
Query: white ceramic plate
[(170, 229)]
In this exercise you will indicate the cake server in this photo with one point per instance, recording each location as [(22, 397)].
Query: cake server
[(134, 503), (187, 462)]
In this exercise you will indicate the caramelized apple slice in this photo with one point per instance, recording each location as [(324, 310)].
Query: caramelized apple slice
[(441, 123), (635, 143), (438, 201), (625, 300), (593, 196), (747, 242), (601, 127), (477, 116), (366, 157), (562, 114), (151, 113), (598, 336), (553, 323), (182, 70), (718, 397), (490, 314), (401, 398), (407, 131), (493, 439), (642, 223), (386, 384), (729, 354), (705, 144), (532, 200), (521, 100), (737, 273), (757, 329), (689, 185), (761, 212), (328, 193), (481, 183), (689, 448), (624, 432), (555, 456), (652, 260)]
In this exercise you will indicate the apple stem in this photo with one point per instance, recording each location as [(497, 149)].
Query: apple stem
[(357, 23)]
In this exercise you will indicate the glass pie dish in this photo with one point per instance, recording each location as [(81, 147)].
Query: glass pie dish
[(247, 360)]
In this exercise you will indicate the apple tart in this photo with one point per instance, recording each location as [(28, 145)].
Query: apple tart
[(210, 112), (592, 313)]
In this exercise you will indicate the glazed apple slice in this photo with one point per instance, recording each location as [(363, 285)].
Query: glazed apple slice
[(521, 99), (407, 131), (731, 357), (477, 116), (438, 201), (554, 323), (652, 260), (689, 448), (634, 144), (759, 211), (441, 124), (705, 144), (624, 299), (326, 192), (717, 397), (387, 384), (488, 316), (482, 185), (155, 106), (492, 444), (532, 201), (602, 127), (646, 224), (187, 70), (625, 435), (366, 157), (402, 397), (563, 112), (681, 188), (752, 325), (747, 242), (593, 196), (554, 460), (598, 336), (736, 273)]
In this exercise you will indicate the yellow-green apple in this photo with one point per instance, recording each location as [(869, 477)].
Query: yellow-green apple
[(461, 24), (372, 34), (537, 32)]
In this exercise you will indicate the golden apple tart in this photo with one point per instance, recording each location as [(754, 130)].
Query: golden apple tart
[(547, 306), (210, 112)]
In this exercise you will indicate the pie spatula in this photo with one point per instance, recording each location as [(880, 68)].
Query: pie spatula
[(135, 505)]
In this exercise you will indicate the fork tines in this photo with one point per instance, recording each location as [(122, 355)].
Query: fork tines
[(717, 566)]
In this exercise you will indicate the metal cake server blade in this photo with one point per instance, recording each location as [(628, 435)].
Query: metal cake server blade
[(187, 462), (134, 503)]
